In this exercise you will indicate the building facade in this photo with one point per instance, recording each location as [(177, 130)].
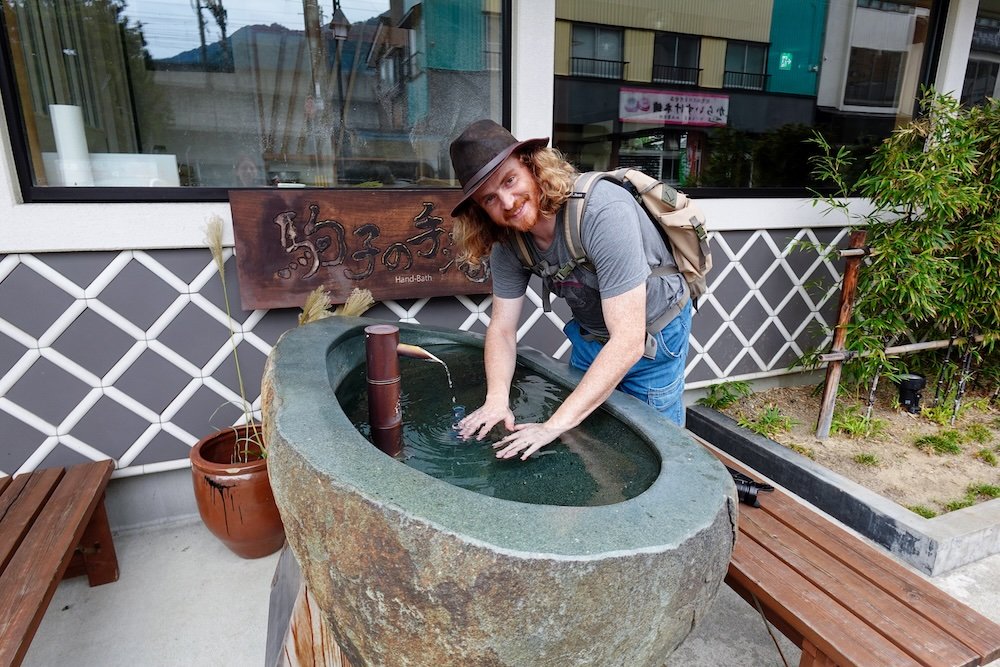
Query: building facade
[(125, 127)]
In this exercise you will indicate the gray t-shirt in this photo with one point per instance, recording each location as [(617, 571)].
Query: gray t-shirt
[(613, 231)]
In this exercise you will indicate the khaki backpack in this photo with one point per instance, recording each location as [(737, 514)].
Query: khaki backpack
[(679, 220)]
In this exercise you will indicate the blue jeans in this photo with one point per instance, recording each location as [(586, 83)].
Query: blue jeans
[(658, 382)]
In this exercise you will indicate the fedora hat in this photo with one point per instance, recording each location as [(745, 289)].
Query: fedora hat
[(479, 151)]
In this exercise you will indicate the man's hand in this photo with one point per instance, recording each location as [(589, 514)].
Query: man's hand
[(526, 438), (485, 418)]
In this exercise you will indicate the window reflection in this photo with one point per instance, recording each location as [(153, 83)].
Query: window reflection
[(215, 93), (726, 94), (984, 58)]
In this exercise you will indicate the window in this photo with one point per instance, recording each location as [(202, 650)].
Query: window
[(724, 97), (660, 154), (873, 78), (883, 6), (984, 61), (745, 65), (597, 51), (980, 82), (494, 40), (675, 58), (205, 96)]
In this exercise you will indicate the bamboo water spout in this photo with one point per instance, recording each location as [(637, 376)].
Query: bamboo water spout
[(382, 352)]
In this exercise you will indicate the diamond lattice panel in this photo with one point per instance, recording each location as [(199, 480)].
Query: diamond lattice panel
[(127, 355)]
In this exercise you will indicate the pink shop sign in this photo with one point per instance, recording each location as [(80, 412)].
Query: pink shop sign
[(671, 107)]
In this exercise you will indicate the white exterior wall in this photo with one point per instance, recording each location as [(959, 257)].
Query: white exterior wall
[(26, 228)]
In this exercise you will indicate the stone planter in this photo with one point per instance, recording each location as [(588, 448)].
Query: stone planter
[(408, 567)]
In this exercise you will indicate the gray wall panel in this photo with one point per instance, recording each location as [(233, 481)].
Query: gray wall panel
[(126, 355)]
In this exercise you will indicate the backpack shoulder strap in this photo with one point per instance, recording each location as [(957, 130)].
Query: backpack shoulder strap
[(523, 251), (576, 205)]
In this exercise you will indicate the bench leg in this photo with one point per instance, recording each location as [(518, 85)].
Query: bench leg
[(813, 657), (98, 550)]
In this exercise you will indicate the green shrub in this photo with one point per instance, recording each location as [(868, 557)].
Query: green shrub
[(804, 451), (931, 184), (978, 433), (768, 422), (721, 396), (867, 459), (987, 456), (939, 414), (986, 491), (973, 494), (855, 425), (959, 504), (945, 442), (925, 512)]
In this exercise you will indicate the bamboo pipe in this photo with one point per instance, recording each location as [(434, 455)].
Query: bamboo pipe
[(902, 349), (382, 353), (382, 375)]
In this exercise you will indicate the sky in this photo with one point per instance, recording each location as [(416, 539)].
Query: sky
[(171, 26)]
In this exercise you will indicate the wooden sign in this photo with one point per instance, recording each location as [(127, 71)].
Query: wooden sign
[(396, 243)]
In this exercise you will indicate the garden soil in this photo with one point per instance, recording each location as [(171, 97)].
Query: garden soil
[(899, 470)]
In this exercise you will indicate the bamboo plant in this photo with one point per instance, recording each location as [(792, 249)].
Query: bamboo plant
[(933, 230)]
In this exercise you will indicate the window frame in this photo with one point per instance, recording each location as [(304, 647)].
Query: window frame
[(32, 193), (677, 37), (617, 31), (746, 45)]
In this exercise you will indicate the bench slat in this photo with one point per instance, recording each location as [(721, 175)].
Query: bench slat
[(832, 628), (909, 588), (30, 579), (20, 504), (900, 624), (964, 623)]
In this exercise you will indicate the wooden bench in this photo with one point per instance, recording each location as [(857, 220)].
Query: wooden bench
[(53, 524), (841, 600)]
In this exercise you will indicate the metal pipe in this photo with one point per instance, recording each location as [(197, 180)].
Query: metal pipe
[(382, 375)]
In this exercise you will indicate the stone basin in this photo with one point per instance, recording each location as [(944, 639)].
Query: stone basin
[(411, 570)]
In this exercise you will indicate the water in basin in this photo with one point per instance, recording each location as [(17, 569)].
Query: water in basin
[(600, 462)]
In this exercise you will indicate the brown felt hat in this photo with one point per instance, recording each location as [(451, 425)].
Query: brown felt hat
[(479, 151)]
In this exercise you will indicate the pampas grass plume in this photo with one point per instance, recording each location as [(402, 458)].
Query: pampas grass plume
[(316, 307), (357, 303)]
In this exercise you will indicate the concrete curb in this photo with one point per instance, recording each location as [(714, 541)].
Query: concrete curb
[(933, 546)]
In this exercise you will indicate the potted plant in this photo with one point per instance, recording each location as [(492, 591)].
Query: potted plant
[(229, 466)]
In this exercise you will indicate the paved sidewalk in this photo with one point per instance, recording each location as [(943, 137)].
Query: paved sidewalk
[(184, 599)]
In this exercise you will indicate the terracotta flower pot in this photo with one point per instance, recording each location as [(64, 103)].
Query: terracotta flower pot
[(235, 499)]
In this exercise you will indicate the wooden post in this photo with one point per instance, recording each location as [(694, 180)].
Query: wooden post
[(833, 368)]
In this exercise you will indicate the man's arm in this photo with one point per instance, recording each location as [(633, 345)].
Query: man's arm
[(500, 355), (625, 317)]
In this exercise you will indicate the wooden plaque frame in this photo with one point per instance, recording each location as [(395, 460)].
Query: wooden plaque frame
[(396, 243)]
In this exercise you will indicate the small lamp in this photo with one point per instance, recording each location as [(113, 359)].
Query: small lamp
[(910, 386), (339, 23)]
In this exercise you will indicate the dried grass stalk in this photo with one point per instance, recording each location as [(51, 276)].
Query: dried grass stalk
[(357, 303), (316, 307)]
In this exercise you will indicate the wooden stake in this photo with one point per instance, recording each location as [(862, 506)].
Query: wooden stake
[(834, 368)]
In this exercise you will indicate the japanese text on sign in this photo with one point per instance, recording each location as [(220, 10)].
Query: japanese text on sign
[(640, 105)]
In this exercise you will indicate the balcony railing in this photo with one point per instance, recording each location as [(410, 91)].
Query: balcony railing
[(602, 69), (744, 80), (674, 74)]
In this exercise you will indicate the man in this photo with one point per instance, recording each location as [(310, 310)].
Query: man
[(513, 187)]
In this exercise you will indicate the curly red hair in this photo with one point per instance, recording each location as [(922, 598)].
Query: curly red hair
[(473, 230)]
